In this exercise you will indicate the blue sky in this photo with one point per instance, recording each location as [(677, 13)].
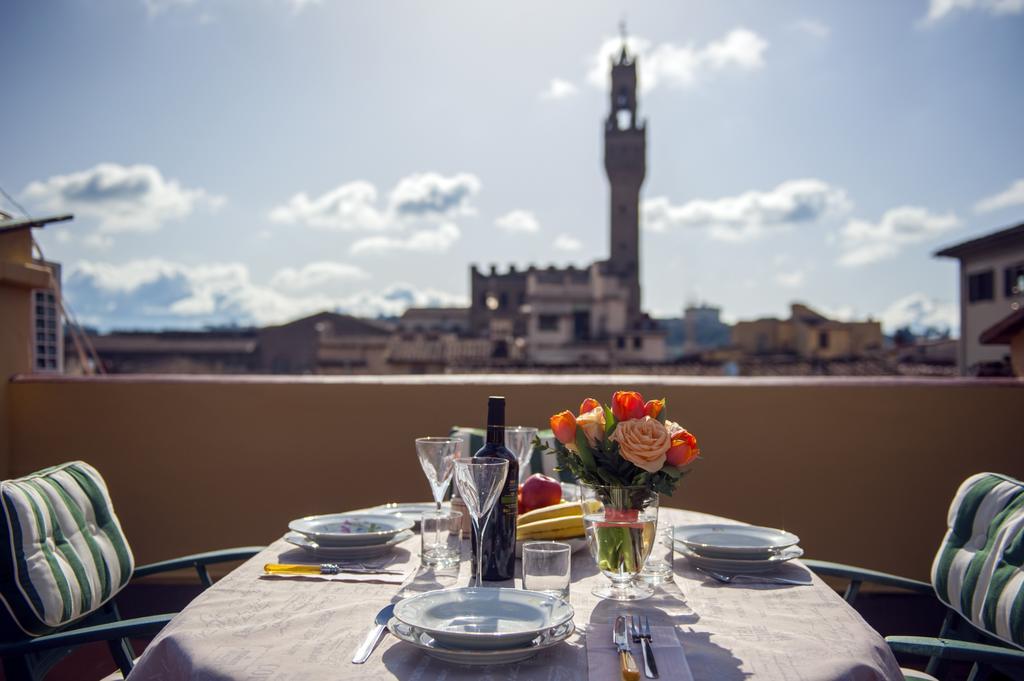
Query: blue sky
[(251, 162)]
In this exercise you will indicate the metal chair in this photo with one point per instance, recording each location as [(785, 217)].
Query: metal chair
[(63, 560)]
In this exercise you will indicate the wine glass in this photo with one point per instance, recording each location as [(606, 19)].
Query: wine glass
[(480, 481), (519, 440), (437, 456)]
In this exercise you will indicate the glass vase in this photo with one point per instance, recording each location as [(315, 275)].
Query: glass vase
[(621, 523)]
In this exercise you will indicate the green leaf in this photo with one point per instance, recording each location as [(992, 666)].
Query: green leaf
[(584, 452), (663, 414), (609, 421), (672, 472)]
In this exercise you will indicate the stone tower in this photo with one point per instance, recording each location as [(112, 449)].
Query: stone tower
[(625, 146)]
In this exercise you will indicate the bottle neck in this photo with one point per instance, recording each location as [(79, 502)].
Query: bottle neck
[(496, 435), (496, 420)]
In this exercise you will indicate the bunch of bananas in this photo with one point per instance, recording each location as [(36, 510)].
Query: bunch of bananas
[(561, 521)]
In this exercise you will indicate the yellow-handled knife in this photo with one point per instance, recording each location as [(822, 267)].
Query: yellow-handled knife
[(323, 569), (627, 663)]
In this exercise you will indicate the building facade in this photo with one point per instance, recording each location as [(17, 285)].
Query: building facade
[(808, 335), (592, 315), (991, 288)]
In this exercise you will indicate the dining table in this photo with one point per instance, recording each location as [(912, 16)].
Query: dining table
[(249, 625)]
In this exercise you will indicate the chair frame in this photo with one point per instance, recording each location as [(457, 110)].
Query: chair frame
[(30, 659), (971, 644)]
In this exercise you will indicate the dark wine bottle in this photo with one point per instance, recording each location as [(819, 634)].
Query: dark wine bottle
[(499, 545)]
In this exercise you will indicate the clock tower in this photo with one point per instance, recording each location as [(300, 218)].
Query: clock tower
[(625, 147)]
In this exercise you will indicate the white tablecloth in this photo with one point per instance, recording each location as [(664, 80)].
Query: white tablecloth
[(250, 627)]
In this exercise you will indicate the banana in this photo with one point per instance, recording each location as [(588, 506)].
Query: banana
[(553, 528), (564, 509)]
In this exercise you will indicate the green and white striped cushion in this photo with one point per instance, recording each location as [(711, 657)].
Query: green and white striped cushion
[(62, 551), (978, 570)]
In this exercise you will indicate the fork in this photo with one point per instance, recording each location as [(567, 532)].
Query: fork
[(768, 579), (642, 635)]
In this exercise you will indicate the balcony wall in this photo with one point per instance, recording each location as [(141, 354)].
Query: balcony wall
[(862, 470)]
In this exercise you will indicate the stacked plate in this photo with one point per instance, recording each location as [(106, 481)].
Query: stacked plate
[(480, 626), (736, 549), (348, 535)]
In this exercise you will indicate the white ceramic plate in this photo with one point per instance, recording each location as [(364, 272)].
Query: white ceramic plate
[(470, 618), (734, 566), (427, 644), (575, 544), (411, 511), (713, 540), (343, 552), (350, 529)]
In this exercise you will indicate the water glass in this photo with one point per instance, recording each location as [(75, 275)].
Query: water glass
[(658, 568), (546, 567), (440, 538)]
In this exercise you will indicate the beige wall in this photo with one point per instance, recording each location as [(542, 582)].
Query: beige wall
[(862, 470)]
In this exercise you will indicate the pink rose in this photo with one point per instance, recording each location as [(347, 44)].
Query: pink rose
[(643, 442), (592, 423)]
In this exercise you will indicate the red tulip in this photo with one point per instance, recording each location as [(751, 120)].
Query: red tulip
[(683, 450), (564, 427), (589, 404), (627, 405), (653, 408)]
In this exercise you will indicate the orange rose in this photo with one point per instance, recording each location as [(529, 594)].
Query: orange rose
[(589, 404), (654, 407), (627, 405), (684, 445), (564, 427), (643, 442), (592, 423)]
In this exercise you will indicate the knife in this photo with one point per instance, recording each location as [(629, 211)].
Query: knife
[(376, 634), (627, 664), (323, 569)]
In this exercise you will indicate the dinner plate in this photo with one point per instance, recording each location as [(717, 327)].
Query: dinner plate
[(343, 552), (713, 540), (430, 646), (411, 510), (350, 529), (740, 566), (473, 618)]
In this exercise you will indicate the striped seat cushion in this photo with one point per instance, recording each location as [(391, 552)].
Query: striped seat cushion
[(978, 569), (64, 553)]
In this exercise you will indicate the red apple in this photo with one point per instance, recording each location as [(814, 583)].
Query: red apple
[(539, 491)]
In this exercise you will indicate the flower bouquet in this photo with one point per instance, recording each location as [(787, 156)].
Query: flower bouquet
[(623, 455)]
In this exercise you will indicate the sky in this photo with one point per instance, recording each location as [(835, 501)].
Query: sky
[(253, 161)]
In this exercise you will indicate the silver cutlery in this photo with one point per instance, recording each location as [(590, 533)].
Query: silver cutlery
[(767, 579), (627, 664), (375, 635), (642, 635)]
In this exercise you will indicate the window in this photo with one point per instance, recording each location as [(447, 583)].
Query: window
[(620, 342), (638, 342), (1013, 280), (980, 286), (547, 322), (822, 339), (504, 301)]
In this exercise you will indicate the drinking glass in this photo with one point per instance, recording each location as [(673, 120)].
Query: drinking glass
[(480, 481), (621, 522), (440, 537), (658, 568), (546, 567), (519, 440), (437, 456)]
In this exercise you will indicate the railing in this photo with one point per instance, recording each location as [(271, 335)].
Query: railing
[(862, 469)]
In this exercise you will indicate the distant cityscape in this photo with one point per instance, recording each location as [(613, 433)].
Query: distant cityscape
[(574, 319)]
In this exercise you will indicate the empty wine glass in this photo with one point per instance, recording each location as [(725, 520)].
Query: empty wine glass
[(519, 440), (480, 481), (437, 455)]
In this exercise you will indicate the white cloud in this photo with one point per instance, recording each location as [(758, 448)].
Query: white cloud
[(940, 9), (564, 242), (920, 312), (158, 6), (558, 89), (156, 293), (813, 28), (135, 198), (1012, 196), (792, 279), (353, 206), (865, 242), (316, 275), (681, 66), (752, 214), (518, 222), (436, 240)]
